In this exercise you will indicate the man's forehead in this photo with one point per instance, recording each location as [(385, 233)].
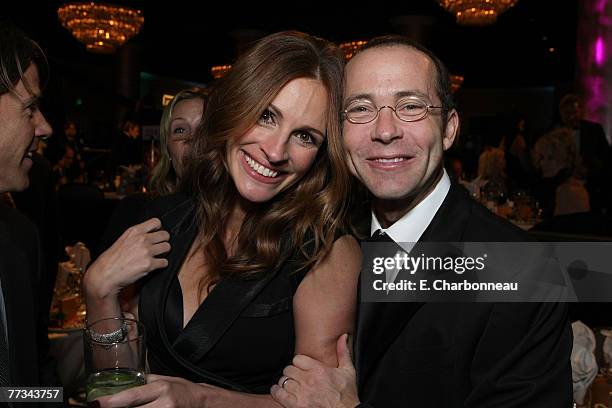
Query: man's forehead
[(28, 86), (397, 67)]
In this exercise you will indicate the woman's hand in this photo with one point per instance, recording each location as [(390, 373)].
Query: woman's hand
[(131, 257), (162, 391)]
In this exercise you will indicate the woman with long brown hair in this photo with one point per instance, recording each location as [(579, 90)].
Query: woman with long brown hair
[(258, 264)]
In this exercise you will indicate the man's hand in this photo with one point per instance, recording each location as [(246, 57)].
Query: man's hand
[(309, 383)]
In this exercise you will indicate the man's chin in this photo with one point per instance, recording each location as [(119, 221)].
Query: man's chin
[(15, 184), (390, 188)]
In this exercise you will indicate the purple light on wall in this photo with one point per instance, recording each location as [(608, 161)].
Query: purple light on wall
[(600, 51), (600, 6), (596, 90)]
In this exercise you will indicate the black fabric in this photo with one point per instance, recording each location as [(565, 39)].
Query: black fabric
[(4, 354), (20, 264), (242, 335), (464, 354), (597, 158), (128, 212), (380, 236)]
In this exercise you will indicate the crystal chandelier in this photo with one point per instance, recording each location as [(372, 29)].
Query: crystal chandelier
[(219, 71), (350, 48), (102, 27), (456, 81), (477, 12)]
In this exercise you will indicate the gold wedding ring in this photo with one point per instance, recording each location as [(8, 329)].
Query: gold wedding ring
[(284, 381)]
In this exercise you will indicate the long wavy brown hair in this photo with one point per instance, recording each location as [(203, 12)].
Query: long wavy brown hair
[(306, 216)]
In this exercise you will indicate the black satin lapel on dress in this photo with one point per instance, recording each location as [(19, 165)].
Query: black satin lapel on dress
[(218, 312), (154, 296)]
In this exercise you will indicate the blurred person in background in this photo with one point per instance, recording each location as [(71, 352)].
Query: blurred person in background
[(128, 149), (560, 189), (491, 181), (68, 169), (592, 151), (179, 122), (516, 153)]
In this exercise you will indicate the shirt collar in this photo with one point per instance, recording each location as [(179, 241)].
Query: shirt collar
[(411, 226)]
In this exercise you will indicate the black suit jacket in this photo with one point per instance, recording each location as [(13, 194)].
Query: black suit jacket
[(597, 161), (464, 354), (594, 147), (20, 262)]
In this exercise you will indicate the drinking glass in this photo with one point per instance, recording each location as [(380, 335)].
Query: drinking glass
[(114, 356)]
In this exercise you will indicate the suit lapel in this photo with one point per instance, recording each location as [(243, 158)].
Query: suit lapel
[(18, 266), (452, 217), (378, 326)]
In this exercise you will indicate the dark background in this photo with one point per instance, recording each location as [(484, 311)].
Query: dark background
[(519, 66)]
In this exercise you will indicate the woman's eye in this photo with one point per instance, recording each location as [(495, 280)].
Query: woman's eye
[(180, 133), (267, 118), (305, 138)]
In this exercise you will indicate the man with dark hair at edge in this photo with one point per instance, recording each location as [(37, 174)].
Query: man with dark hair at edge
[(23, 317)]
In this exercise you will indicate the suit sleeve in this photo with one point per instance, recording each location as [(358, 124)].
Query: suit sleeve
[(523, 358)]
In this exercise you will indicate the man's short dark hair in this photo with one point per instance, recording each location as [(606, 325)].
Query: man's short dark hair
[(570, 99), (442, 81), (17, 53)]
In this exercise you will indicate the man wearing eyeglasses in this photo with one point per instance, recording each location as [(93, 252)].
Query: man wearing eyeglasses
[(22, 320), (399, 119)]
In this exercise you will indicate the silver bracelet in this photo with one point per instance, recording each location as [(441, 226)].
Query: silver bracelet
[(112, 337)]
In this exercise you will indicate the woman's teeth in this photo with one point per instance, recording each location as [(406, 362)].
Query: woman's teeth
[(264, 171)]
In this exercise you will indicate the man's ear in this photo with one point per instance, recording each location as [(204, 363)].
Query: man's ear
[(452, 129)]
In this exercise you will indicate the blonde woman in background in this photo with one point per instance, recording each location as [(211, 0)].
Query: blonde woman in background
[(179, 122), (491, 174), (560, 189)]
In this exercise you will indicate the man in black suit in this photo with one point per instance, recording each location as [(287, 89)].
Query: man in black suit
[(399, 120), (594, 155), (22, 331)]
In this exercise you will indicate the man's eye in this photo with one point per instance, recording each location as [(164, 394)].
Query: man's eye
[(267, 118), (29, 110), (411, 106), (360, 108)]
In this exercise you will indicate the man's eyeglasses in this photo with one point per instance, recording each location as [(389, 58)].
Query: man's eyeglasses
[(410, 109)]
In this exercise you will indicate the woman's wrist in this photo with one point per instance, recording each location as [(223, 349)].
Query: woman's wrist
[(96, 286)]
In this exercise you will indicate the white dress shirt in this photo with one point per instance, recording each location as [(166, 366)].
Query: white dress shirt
[(408, 229)]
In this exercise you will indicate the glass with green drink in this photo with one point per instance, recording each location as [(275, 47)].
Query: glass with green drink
[(114, 356)]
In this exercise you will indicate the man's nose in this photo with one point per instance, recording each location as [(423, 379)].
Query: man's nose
[(387, 128), (42, 127)]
